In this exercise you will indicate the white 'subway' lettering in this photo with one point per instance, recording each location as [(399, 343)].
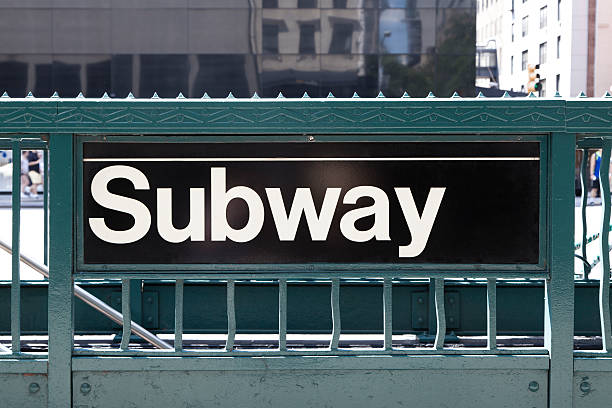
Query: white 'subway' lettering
[(286, 222)]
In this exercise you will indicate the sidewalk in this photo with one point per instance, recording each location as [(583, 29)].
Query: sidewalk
[(26, 202)]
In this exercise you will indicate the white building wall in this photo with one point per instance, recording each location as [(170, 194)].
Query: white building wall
[(571, 65), (603, 56), (579, 47), (489, 30)]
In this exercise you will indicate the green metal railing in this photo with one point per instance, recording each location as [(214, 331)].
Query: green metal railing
[(61, 125), (602, 237), (16, 144)]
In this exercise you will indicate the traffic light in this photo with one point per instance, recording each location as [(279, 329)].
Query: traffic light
[(533, 85)]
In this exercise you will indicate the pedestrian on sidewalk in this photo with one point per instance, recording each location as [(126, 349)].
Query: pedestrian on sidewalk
[(25, 179)]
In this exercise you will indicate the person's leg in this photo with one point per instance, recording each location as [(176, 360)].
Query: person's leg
[(34, 190), (25, 181)]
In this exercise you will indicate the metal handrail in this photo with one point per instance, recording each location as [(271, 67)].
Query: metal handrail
[(92, 301)]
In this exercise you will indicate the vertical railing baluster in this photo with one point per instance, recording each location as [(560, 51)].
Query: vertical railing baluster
[(231, 316), (491, 313), (335, 307), (585, 181), (46, 206), (604, 283), (282, 314), (126, 311), (388, 313), (15, 278), (178, 314), (440, 313)]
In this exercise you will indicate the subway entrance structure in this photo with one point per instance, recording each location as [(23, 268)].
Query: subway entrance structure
[(269, 207)]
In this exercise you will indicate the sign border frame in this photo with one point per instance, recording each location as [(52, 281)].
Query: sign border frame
[(307, 269)]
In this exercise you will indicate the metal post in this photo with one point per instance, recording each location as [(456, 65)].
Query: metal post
[(61, 300), (559, 287), (15, 275), (604, 282)]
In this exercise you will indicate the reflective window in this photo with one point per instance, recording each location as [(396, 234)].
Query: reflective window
[(14, 78), (222, 46), (307, 38), (543, 16), (218, 75), (270, 3), (543, 53), (342, 38), (290, 74), (307, 4), (66, 78), (270, 38), (343, 75), (165, 74), (121, 76), (98, 77)]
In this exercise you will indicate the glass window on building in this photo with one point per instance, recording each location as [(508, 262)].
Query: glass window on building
[(512, 32), (542, 87), (14, 78), (525, 26), (524, 58), (291, 46), (559, 10), (166, 74), (342, 38), (543, 16), (558, 82), (543, 53), (512, 65), (558, 47), (307, 3), (269, 38), (307, 39)]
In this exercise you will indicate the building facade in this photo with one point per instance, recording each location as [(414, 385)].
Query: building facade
[(566, 38), (238, 46)]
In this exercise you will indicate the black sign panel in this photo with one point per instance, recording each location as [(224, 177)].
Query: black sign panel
[(318, 202)]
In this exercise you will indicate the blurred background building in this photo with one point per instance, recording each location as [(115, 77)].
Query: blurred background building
[(238, 46), (569, 39)]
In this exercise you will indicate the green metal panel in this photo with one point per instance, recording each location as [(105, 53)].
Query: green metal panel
[(298, 116), (592, 382), (23, 383), (313, 382)]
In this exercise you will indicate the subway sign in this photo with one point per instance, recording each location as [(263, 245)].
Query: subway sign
[(317, 202)]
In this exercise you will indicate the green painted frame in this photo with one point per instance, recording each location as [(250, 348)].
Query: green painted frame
[(271, 271), (558, 121)]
